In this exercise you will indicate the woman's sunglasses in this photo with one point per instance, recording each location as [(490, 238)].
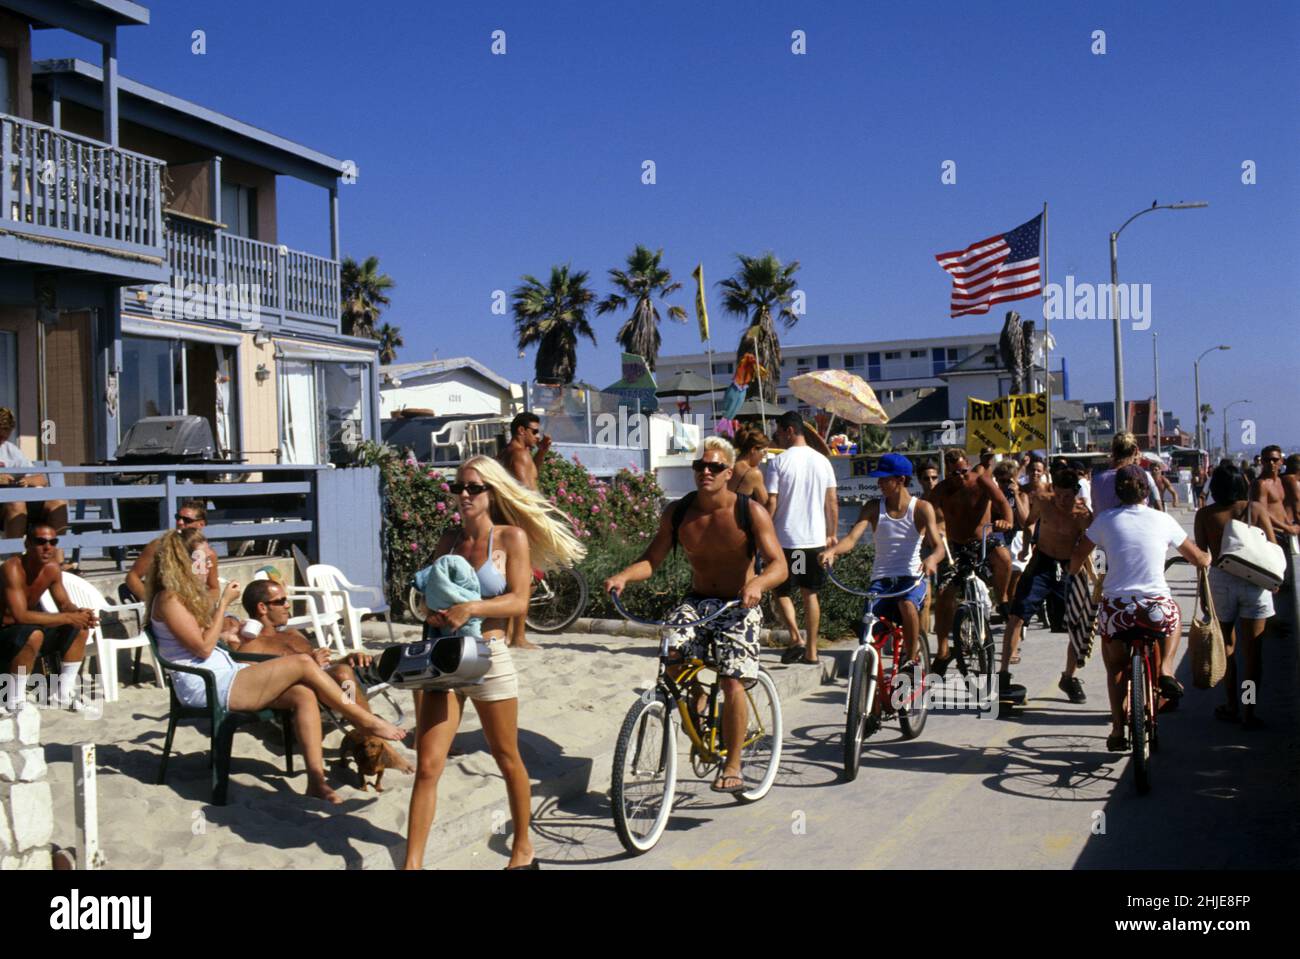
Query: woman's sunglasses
[(472, 488), (715, 468)]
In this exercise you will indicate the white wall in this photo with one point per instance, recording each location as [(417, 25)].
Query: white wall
[(454, 393)]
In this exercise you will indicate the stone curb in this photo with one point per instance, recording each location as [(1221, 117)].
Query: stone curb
[(469, 825)]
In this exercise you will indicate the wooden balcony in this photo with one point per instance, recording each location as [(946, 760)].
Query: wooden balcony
[(218, 275), (72, 202)]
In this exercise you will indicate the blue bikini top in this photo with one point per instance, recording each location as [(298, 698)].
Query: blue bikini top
[(491, 581)]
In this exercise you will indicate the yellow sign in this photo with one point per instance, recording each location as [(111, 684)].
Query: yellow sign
[(1010, 425), (701, 310)]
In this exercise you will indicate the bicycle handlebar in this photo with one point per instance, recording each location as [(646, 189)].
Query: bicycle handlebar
[(875, 596), (618, 604)]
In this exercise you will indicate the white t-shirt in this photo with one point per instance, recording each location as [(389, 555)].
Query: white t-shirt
[(1136, 540), (11, 455), (800, 477)]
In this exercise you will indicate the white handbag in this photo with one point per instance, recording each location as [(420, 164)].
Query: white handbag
[(1246, 553)]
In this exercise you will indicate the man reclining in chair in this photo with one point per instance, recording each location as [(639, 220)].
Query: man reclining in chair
[(267, 602)]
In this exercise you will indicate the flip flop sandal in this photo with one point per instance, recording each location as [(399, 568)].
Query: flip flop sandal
[(792, 653), (1170, 688), (1117, 742), (717, 786)]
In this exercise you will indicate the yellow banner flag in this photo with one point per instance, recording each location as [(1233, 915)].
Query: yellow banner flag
[(701, 309), (1010, 425)]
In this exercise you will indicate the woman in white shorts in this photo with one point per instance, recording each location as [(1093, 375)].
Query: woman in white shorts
[(1243, 608), (505, 530)]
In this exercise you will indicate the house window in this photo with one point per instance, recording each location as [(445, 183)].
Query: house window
[(239, 209), (894, 355), (853, 361), (8, 370), (873, 367), (938, 361), (917, 354), (7, 104), (323, 410), (177, 378), (823, 362)]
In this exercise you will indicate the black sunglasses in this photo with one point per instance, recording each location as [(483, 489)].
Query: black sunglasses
[(472, 488), (715, 468), (42, 541), (282, 601), (181, 518)]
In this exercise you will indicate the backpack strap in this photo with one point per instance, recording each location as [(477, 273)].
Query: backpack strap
[(743, 518)]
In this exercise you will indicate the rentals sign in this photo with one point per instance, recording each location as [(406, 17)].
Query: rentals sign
[(1009, 425)]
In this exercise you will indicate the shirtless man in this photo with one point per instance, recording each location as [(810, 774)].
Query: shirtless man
[(1062, 518), (966, 502), (190, 514), (1291, 488), (26, 632), (522, 458), (1269, 490), (721, 555), (267, 603), (1163, 484)]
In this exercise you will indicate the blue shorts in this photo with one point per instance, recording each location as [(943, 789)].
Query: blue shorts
[(888, 608), (1043, 577)]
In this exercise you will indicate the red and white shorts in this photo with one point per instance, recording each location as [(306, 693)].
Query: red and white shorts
[(1120, 613)]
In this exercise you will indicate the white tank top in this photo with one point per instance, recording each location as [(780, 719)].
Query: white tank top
[(898, 544)]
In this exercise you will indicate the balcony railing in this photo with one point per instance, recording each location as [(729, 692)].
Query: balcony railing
[(279, 285), (59, 186)]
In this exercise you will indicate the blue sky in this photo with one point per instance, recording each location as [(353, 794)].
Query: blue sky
[(475, 169)]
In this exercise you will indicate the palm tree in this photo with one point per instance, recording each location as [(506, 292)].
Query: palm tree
[(364, 292), (1206, 412), (761, 287), (553, 315), (874, 439), (390, 341), (643, 279)]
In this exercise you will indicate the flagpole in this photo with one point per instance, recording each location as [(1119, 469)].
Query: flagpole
[(1047, 340), (713, 395)]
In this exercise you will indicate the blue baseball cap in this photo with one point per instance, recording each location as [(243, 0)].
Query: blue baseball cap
[(892, 464)]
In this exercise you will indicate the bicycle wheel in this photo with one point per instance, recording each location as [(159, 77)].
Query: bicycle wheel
[(760, 759), (855, 722), (645, 774), (557, 601), (964, 646), (1137, 707), (914, 704)]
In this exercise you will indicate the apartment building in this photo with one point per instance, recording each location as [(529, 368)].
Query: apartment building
[(141, 271)]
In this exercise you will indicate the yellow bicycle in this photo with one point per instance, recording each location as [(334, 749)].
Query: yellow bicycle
[(644, 780)]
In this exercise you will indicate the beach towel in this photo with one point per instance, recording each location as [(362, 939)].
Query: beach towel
[(1081, 613), (451, 580)]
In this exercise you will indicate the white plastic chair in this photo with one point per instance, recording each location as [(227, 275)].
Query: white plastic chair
[(452, 435), (104, 648), (323, 624), (337, 592)]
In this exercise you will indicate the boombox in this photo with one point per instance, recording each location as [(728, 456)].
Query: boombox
[(444, 662)]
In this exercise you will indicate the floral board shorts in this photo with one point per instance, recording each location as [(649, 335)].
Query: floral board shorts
[(1120, 613), (734, 635)]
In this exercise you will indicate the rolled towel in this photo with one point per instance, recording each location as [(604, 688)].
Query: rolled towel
[(451, 580)]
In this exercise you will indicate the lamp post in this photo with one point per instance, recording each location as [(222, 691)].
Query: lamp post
[(1196, 371), (1121, 413), (1225, 423), (1155, 363)]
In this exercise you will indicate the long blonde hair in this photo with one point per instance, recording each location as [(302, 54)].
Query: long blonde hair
[(173, 570), (550, 535)]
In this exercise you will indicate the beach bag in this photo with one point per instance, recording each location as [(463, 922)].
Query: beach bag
[(1205, 639), (1246, 553)]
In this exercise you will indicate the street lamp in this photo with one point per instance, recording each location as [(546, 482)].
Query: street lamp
[(1155, 363), (1121, 414), (1225, 423), (1196, 370)]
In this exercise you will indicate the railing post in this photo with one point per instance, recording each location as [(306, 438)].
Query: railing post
[(587, 394), (7, 159), (168, 507), (280, 262)]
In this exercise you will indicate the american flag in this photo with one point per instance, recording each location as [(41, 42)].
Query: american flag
[(1003, 267)]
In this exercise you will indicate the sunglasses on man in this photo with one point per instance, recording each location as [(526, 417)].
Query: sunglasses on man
[(472, 488), (715, 468), (43, 541)]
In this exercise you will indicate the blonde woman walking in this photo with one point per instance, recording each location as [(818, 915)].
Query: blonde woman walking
[(505, 531)]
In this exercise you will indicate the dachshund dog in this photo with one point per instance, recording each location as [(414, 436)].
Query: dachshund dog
[(372, 756)]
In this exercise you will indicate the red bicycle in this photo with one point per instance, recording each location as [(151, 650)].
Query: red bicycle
[(1144, 737), (877, 693)]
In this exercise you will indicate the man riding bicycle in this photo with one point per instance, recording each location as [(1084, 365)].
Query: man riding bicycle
[(899, 521), (720, 531)]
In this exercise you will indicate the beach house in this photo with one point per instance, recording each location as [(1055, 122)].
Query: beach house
[(141, 272)]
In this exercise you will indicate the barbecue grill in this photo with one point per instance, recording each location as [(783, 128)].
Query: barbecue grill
[(166, 440)]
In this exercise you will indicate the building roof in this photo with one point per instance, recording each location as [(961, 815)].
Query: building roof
[(926, 406), (865, 346), (122, 13), (409, 371), (81, 82)]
